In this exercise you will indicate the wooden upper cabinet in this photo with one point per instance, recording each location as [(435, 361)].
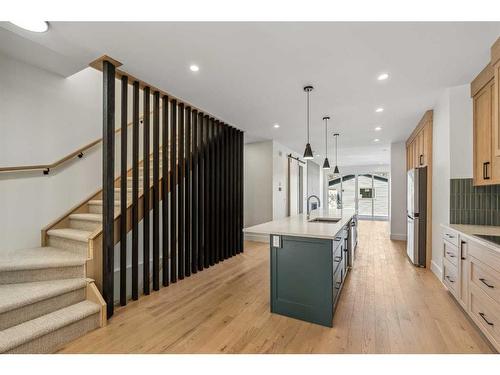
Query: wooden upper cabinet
[(419, 145), (483, 112), (495, 63), (486, 127)]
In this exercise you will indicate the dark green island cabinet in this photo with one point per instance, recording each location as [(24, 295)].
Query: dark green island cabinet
[(307, 274)]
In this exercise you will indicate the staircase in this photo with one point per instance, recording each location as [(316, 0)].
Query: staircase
[(50, 295)]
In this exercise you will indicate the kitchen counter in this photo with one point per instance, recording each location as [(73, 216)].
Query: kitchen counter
[(471, 230), (299, 226)]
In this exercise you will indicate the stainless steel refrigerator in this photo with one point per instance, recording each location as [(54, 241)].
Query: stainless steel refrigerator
[(416, 208)]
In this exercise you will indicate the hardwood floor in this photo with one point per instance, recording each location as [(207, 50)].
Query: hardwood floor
[(387, 306)]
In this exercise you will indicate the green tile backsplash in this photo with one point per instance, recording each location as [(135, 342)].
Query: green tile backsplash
[(479, 205)]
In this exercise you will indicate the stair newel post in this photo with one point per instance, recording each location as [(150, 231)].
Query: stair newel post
[(135, 192), (108, 176), (164, 190), (156, 191), (145, 186), (123, 192)]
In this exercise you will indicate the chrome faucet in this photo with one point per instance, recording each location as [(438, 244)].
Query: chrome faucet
[(309, 207)]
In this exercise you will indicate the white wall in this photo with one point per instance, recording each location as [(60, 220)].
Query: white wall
[(461, 132), (258, 183), (440, 176), (398, 191), (451, 157), (43, 117)]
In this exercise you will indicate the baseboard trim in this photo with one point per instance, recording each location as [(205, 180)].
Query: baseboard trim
[(257, 237), (436, 270), (398, 237)]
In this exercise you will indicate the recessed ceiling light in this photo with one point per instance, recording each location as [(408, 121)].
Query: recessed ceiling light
[(379, 109), (276, 126), (376, 140), (378, 128), (34, 26), (383, 76), (194, 68)]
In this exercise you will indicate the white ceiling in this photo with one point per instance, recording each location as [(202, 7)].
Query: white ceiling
[(252, 74)]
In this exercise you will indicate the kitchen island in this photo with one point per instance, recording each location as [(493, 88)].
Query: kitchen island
[(309, 262)]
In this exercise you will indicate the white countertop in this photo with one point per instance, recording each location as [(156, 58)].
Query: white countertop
[(299, 226), (471, 230)]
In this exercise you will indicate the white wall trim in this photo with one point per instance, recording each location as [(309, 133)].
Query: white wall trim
[(398, 237), (257, 237), (436, 270)]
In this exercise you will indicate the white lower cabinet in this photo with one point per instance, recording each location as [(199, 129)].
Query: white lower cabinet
[(471, 272)]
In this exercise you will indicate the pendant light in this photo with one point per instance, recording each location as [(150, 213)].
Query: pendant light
[(326, 163), (336, 170), (308, 154)]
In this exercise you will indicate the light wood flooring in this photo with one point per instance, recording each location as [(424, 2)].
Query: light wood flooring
[(386, 306)]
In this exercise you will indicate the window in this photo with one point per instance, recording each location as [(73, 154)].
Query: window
[(367, 193)]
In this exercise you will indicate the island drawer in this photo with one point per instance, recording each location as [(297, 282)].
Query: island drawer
[(337, 283), (337, 257)]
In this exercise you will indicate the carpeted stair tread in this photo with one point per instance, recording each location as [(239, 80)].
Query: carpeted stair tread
[(71, 234), (87, 217), (39, 258), (14, 296), (20, 334)]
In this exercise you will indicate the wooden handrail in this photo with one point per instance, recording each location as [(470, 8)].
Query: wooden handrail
[(47, 167)]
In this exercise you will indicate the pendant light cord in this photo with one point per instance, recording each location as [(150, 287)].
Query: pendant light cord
[(326, 137), (308, 116), (336, 149)]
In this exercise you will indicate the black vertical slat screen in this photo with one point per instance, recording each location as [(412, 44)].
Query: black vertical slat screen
[(206, 194), (240, 187), (196, 189), (213, 166), (217, 191), (164, 189), (194, 192), (173, 193), (123, 193), (201, 193), (187, 194), (135, 192), (181, 202), (145, 188), (156, 191), (108, 179)]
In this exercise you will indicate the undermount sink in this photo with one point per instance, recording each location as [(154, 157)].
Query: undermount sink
[(324, 220)]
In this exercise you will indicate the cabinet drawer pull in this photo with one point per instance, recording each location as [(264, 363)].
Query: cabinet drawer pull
[(485, 283), (482, 315), (485, 170), (462, 243), (420, 159), (449, 235), (450, 280), (451, 255)]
